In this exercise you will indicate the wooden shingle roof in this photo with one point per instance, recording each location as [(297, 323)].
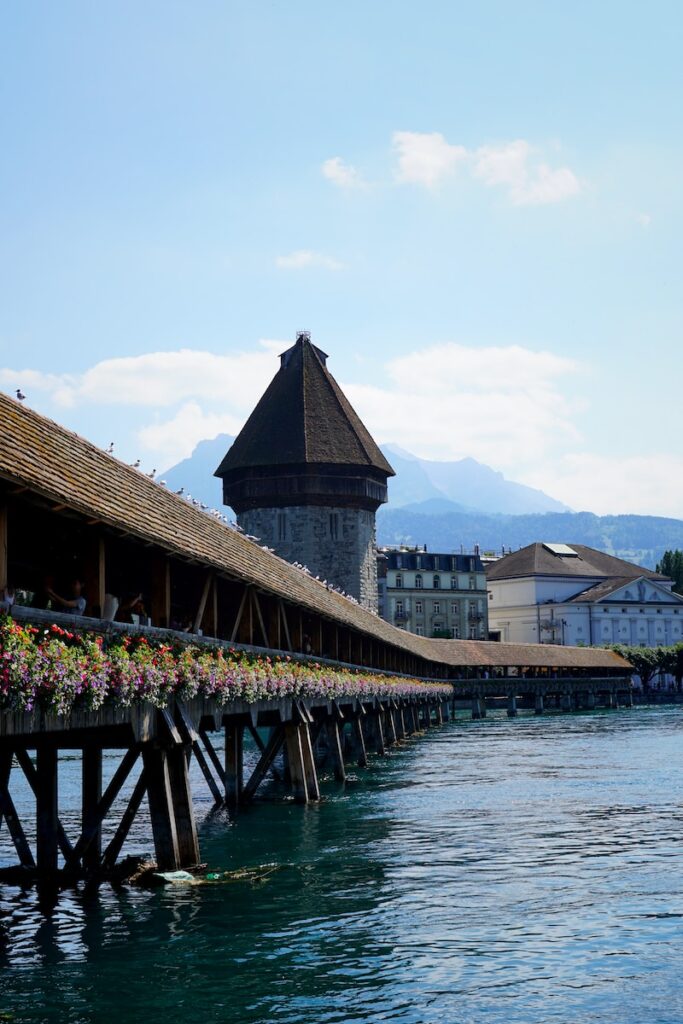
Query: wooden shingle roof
[(303, 418), (44, 457)]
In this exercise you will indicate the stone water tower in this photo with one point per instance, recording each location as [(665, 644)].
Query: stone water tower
[(305, 476)]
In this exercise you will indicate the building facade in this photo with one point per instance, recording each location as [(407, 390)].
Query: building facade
[(442, 595), (306, 478), (576, 595)]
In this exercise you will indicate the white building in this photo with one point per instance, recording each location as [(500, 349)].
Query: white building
[(557, 594)]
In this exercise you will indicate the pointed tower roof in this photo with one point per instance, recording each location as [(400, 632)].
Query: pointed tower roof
[(302, 419)]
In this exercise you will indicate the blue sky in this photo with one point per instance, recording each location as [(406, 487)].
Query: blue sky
[(475, 208)]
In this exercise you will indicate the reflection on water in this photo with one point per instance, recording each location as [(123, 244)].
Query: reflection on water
[(505, 871)]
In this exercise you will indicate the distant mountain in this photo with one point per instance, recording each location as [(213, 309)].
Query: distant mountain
[(466, 482), (448, 504), (196, 473), (639, 539)]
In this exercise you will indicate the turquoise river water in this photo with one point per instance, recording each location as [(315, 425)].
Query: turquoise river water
[(498, 871)]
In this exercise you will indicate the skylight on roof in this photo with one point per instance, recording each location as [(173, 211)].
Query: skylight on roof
[(563, 550)]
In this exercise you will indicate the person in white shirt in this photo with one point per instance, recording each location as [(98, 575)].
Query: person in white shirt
[(76, 603)]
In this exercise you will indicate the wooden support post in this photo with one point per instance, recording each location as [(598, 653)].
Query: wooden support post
[(206, 589), (183, 810), (566, 701), (101, 572), (240, 613), (4, 558), (91, 787), (271, 751), (155, 761), (161, 592), (9, 813), (312, 786), (259, 613), (47, 819), (476, 707), (283, 614), (512, 705), (361, 754), (234, 761), (538, 704), (295, 758), (334, 746), (114, 848), (390, 725), (376, 728)]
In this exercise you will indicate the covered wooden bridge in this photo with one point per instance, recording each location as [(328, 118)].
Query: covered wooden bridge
[(81, 532)]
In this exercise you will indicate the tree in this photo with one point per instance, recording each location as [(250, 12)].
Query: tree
[(671, 661), (646, 661), (671, 565)]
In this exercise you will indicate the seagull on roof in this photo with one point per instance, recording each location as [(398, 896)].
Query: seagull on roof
[(162, 483), (110, 449), (136, 464), (21, 397), (152, 474), (181, 490)]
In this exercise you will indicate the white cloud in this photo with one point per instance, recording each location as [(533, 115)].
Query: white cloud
[(501, 405), (157, 378), (425, 158), (174, 439), (644, 219), (528, 183), (428, 159), (342, 174), (300, 259)]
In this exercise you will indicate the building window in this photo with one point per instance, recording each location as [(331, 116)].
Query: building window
[(473, 583), (418, 581), (418, 607), (399, 607), (399, 580), (473, 632), (334, 525), (437, 607), (282, 526), (419, 630), (455, 608), (455, 632), (436, 582), (454, 582)]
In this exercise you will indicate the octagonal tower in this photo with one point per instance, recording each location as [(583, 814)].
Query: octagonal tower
[(305, 476)]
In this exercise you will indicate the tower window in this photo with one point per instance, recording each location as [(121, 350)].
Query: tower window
[(282, 526), (334, 525)]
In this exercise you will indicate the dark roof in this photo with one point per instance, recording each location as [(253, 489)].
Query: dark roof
[(303, 418), (537, 560), (42, 456)]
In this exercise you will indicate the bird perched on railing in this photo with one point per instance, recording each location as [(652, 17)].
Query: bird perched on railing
[(21, 397)]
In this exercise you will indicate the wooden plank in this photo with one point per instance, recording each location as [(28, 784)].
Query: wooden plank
[(104, 806), (312, 785), (101, 572), (240, 613), (273, 747), (213, 756), (262, 746), (47, 846), (283, 613), (335, 749), (361, 754), (259, 613), (297, 767), (4, 556), (199, 617), (9, 813), (234, 761), (113, 850), (161, 591), (91, 794), (206, 772), (155, 761), (183, 809), (28, 768)]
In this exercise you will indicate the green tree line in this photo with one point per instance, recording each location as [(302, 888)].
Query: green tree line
[(649, 661), (671, 565)]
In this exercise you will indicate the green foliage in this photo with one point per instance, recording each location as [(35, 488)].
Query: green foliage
[(648, 661), (671, 565)]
